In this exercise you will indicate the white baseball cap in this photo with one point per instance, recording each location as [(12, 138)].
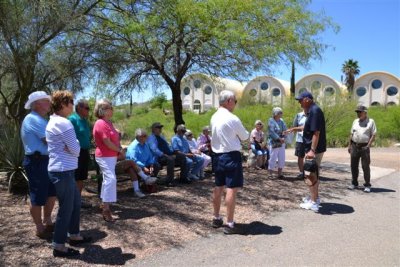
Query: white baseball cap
[(36, 96)]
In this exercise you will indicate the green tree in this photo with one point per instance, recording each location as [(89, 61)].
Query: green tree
[(42, 47), (350, 69), (161, 41)]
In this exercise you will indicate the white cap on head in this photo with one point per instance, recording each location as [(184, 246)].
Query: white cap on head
[(35, 96)]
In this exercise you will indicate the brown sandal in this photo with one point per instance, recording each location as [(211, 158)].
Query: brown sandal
[(107, 216)]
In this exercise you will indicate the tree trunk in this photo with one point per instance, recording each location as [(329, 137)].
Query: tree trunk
[(177, 104), (292, 80)]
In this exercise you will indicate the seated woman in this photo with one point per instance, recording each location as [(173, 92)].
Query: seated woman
[(258, 146), (64, 150), (194, 148)]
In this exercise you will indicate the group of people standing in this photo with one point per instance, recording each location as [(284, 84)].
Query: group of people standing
[(57, 157)]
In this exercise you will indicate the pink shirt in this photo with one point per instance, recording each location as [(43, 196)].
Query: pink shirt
[(103, 129)]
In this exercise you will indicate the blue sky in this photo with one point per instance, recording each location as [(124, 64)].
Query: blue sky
[(369, 33)]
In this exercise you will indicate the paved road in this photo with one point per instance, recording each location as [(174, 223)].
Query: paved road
[(357, 230)]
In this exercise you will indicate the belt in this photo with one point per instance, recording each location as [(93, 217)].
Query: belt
[(37, 156), (360, 144)]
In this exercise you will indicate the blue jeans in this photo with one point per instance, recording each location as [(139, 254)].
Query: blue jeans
[(69, 199), (195, 164)]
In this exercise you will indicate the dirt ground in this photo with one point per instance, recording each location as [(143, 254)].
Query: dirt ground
[(169, 218)]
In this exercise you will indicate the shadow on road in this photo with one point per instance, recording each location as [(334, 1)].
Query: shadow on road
[(259, 228), (381, 190), (335, 208), (95, 254)]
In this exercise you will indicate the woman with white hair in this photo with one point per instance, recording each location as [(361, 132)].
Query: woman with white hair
[(108, 148), (258, 146), (276, 137)]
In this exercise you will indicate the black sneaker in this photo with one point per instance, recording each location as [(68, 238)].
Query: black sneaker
[(217, 223), (235, 230)]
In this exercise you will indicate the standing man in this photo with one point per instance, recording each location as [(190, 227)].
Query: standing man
[(41, 191), (314, 140), (362, 135), (298, 125), (228, 131), (79, 120)]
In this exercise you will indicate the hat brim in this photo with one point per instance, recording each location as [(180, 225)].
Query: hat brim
[(30, 101)]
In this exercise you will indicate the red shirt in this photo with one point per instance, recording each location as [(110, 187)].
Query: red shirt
[(103, 129)]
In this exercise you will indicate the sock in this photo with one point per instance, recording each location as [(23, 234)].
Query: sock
[(231, 224), (217, 218), (143, 175), (136, 185)]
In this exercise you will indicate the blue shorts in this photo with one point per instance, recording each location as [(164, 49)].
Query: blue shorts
[(259, 152), (40, 187), (300, 150), (228, 169)]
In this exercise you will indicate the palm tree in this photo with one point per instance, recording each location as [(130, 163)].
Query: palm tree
[(351, 70)]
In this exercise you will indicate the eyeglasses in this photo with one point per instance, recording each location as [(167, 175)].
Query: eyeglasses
[(234, 100), (87, 108), (110, 107), (71, 101), (260, 124), (358, 111)]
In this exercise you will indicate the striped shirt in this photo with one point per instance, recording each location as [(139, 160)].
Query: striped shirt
[(62, 144)]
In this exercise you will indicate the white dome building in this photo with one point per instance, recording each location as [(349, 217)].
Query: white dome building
[(267, 89), (321, 86), (377, 88), (200, 92)]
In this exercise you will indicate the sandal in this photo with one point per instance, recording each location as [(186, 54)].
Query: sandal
[(107, 216)]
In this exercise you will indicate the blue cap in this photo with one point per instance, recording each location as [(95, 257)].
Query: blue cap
[(304, 95)]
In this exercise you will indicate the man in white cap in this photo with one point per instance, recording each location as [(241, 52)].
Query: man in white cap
[(362, 134), (41, 190)]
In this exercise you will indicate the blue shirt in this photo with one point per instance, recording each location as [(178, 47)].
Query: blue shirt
[(33, 131), (315, 122), (180, 144), (299, 120), (140, 154), (155, 146), (82, 130)]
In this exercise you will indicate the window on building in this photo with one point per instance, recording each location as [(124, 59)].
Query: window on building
[(316, 85), (197, 105), (302, 90), (276, 92), (375, 104), (376, 84), (253, 92), (392, 90), (197, 84), (186, 90), (361, 91), (208, 90), (264, 86), (329, 91)]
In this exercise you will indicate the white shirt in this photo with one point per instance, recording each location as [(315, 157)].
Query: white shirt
[(362, 131), (62, 144), (299, 120), (227, 131)]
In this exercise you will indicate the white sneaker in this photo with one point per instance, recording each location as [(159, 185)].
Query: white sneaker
[(310, 206), (352, 187), (308, 199), (150, 180), (367, 189), (138, 194)]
